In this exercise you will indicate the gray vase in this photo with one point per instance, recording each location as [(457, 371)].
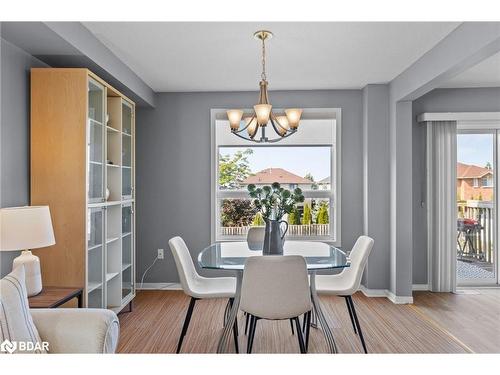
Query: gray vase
[(274, 237)]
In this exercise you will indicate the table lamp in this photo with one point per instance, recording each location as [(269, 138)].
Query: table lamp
[(24, 228)]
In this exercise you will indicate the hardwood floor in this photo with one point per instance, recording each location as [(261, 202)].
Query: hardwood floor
[(436, 323)]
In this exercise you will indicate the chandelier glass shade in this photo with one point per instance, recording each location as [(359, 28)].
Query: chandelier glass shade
[(247, 125)]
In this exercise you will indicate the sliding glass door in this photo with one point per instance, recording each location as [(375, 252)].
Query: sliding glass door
[(477, 224)]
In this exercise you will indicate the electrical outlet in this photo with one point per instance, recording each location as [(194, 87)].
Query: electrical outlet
[(160, 253)]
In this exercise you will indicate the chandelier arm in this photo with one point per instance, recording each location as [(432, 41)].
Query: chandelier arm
[(263, 75), (279, 139), (247, 138), (273, 117), (245, 128)]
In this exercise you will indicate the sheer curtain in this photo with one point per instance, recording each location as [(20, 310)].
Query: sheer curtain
[(442, 202)]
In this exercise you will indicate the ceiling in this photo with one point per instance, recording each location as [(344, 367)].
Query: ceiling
[(484, 74), (301, 56)]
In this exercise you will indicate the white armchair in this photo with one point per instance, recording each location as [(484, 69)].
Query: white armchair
[(77, 330)]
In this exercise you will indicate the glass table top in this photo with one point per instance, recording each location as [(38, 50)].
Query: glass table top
[(232, 255)]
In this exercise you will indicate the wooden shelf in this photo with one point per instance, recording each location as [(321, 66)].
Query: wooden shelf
[(65, 125)]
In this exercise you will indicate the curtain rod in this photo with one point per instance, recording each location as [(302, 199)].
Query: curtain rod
[(458, 116)]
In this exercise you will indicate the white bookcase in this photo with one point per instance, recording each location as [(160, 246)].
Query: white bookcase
[(107, 252)]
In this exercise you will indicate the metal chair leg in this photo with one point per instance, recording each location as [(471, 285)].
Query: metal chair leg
[(307, 320), (357, 323), (251, 335), (186, 323), (350, 315), (299, 335), (291, 325), (235, 329)]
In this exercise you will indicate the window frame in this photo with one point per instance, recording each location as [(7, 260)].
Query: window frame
[(334, 194)]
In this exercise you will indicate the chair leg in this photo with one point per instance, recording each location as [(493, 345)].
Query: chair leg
[(251, 335), (299, 336), (291, 325), (358, 326), (307, 320), (235, 329), (247, 320), (186, 323), (350, 314)]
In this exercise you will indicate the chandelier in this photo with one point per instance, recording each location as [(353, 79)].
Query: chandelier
[(284, 124)]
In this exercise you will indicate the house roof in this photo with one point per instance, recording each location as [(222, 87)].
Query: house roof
[(270, 175), (326, 180), (471, 171)]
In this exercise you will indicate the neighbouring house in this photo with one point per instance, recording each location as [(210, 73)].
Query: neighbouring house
[(287, 179), (324, 184), (474, 182)]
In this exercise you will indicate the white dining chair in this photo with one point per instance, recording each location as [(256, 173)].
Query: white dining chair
[(255, 235), (347, 282), (275, 288), (199, 287)]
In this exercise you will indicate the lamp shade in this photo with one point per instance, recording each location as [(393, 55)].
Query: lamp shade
[(262, 111), (283, 125), (234, 116), (28, 227), (293, 116)]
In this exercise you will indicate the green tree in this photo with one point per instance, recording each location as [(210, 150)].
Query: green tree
[(294, 217), (488, 165), (233, 170), (307, 216), (237, 212), (258, 220), (314, 185), (323, 217)]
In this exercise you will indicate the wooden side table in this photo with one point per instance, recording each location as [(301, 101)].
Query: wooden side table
[(54, 296)]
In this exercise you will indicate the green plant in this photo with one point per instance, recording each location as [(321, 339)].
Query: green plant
[(274, 201), (294, 217), (258, 220), (307, 215), (323, 217), (234, 170), (237, 212)]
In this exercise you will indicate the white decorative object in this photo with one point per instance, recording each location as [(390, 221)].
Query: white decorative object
[(107, 193), (23, 228)]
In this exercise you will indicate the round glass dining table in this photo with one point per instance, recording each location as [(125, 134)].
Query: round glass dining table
[(231, 256)]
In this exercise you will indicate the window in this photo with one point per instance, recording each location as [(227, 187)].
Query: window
[(475, 183), (487, 181), (307, 160)]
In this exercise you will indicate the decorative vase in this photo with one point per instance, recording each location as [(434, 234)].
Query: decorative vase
[(274, 237)]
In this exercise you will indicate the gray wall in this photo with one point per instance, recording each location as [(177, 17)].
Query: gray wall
[(14, 137), (173, 168), (439, 100)]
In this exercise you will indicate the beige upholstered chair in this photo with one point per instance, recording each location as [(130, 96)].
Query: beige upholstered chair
[(52, 330), (256, 235), (275, 288), (199, 287), (347, 282)]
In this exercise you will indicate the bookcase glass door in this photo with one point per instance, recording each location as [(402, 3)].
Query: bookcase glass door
[(127, 166), (127, 249), (95, 144), (95, 257)]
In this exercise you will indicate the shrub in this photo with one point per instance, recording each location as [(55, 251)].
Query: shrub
[(258, 220), (307, 216)]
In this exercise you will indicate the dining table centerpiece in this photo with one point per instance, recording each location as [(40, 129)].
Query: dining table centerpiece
[(274, 202)]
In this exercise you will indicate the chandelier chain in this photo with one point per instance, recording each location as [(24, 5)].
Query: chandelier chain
[(263, 75)]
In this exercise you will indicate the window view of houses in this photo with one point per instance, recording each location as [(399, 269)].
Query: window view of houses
[(289, 166), (475, 204)]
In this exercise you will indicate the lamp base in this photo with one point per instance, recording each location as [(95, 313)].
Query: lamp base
[(32, 271)]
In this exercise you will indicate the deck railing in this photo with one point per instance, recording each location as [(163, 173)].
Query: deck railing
[(482, 239), (293, 230)]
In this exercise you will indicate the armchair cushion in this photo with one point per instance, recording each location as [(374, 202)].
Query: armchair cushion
[(16, 323), (78, 330)]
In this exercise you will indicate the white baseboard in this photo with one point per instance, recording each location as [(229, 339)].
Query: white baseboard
[(420, 287), (387, 294), (158, 286)]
